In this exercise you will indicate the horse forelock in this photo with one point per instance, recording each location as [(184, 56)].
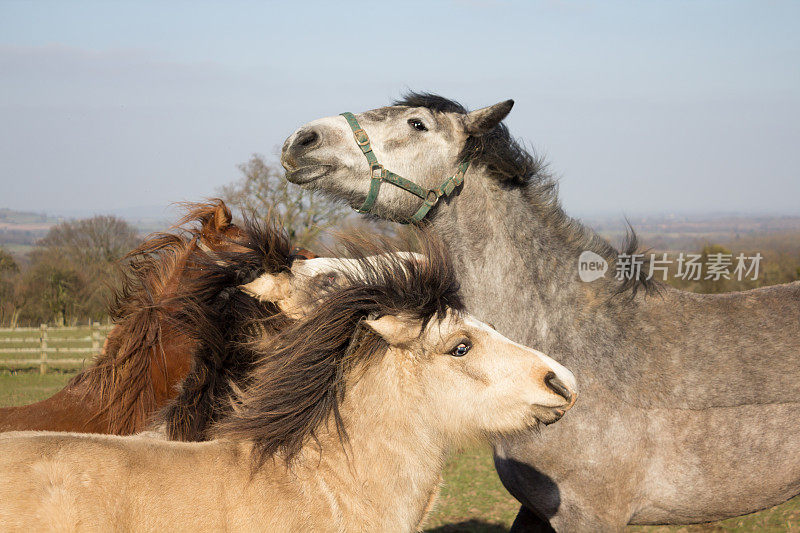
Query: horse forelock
[(211, 215), (298, 381)]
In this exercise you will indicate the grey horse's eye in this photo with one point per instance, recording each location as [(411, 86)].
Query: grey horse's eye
[(417, 124), (461, 350)]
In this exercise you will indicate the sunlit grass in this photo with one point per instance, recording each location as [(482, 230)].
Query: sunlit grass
[(23, 387)]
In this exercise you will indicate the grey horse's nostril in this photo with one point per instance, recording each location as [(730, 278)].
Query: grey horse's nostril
[(557, 386), (306, 138)]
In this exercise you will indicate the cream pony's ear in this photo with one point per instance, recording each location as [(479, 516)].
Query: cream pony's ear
[(482, 121), (269, 287), (395, 330)]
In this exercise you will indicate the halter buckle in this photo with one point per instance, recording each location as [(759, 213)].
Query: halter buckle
[(377, 171), (432, 198), (361, 137)]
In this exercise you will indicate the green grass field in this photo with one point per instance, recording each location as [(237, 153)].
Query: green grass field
[(22, 387), (472, 498)]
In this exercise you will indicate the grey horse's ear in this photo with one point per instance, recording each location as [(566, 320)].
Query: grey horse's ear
[(483, 120)]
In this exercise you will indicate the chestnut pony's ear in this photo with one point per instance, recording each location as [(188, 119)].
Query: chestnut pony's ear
[(222, 216), (395, 330), (482, 121)]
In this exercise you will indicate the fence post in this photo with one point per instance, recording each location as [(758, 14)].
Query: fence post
[(95, 337), (43, 341)]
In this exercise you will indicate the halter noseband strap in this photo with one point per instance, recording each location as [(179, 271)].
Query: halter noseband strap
[(379, 174)]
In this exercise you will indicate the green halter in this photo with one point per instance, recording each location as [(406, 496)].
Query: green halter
[(379, 174)]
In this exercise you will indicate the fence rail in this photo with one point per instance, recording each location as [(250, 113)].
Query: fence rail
[(28, 340), (96, 325), (95, 335)]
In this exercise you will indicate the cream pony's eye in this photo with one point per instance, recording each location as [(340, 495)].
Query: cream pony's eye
[(461, 350), (417, 124)]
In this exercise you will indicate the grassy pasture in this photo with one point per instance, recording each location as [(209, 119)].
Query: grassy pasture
[(472, 498)]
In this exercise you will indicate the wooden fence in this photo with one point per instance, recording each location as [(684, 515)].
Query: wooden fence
[(55, 346)]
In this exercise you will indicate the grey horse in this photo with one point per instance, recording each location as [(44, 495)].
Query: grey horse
[(690, 402)]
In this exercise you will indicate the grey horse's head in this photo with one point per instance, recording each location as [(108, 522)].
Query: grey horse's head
[(423, 139)]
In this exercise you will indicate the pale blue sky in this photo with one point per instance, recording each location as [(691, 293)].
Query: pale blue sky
[(639, 106)]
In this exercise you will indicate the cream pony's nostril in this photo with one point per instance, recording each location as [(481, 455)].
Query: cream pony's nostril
[(556, 385)]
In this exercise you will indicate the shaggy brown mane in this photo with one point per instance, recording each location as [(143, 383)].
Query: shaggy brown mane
[(298, 382), (213, 310), (121, 374), (165, 280)]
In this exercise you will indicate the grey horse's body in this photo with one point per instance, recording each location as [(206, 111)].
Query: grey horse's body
[(705, 389), (690, 403)]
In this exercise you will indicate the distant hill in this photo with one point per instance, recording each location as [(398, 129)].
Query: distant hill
[(690, 232), (10, 216), (19, 230)]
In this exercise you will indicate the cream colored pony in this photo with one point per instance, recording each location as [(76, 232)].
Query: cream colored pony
[(345, 424)]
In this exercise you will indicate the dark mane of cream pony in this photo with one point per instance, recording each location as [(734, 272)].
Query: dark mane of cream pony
[(298, 380)]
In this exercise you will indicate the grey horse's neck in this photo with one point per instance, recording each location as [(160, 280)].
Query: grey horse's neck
[(516, 255), (517, 258)]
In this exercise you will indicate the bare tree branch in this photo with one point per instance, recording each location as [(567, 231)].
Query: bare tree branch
[(262, 189)]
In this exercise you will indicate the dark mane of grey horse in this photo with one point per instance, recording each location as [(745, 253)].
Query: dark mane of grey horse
[(511, 164), (505, 158)]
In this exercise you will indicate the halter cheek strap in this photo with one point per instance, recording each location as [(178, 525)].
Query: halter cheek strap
[(430, 197)]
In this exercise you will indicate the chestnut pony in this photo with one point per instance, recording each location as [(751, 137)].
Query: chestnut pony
[(151, 349)]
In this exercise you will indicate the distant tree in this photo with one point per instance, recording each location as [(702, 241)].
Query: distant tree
[(73, 267), (9, 272), (7, 263), (262, 189), (52, 292), (100, 239)]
